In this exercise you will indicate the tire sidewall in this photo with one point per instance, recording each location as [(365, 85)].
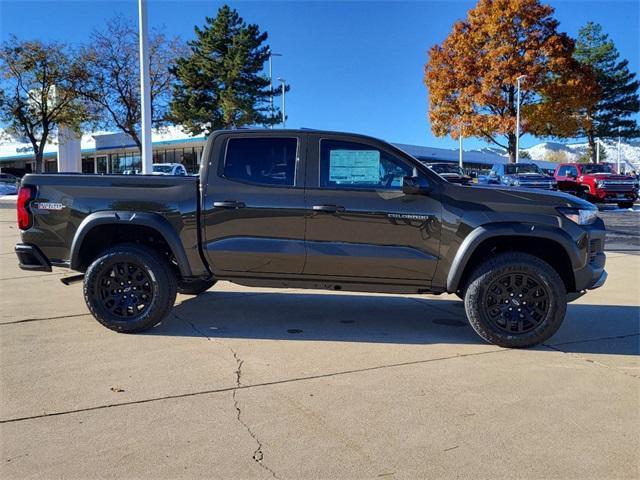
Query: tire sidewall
[(153, 267), (542, 272)]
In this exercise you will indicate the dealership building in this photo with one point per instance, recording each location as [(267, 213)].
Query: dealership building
[(113, 153)]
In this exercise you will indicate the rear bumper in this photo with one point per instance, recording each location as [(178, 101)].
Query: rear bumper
[(31, 258)]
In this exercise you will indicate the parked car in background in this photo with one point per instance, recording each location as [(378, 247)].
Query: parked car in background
[(598, 183), (450, 172), (527, 175), (169, 169), (8, 184)]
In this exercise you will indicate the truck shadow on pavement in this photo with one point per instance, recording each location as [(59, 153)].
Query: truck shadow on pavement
[(380, 319)]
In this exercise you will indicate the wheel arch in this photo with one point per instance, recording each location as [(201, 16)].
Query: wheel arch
[(101, 230), (549, 244)]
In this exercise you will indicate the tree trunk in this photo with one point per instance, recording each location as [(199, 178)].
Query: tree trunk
[(592, 146), (511, 149), (39, 161)]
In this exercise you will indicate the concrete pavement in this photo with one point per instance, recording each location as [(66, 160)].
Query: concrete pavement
[(261, 383)]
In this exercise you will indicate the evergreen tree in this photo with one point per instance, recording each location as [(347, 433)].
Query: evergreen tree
[(220, 82), (612, 115)]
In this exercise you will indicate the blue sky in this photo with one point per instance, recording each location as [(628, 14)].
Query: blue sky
[(354, 66)]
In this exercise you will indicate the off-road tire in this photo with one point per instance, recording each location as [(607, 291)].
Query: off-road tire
[(156, 288), (196, 287), (625, 204), (549, 290)]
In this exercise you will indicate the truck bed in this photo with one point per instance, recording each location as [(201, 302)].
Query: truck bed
[(64, 202)]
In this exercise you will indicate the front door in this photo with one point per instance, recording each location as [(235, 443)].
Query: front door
[(359, 222), (567, 178), (254, 205)]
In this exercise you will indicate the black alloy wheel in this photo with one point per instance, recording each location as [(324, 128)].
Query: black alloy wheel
[(130, 288), (125, 290), (516, 302)]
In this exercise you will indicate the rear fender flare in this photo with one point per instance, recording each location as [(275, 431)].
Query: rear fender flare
[(145, 219)]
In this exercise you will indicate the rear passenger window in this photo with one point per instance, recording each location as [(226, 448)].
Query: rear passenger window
[(263, 161)]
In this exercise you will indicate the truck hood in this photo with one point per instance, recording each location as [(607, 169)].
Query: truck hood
[(513, 199), (608, 176)]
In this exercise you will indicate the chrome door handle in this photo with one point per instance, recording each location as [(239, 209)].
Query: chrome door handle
[(228, 204), (328, 208)]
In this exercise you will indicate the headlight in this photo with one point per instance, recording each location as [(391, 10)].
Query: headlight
[(581, 216), (516, 183), (600, 184)]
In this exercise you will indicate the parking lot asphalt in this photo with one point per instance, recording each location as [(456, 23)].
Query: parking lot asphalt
[(260, 383)]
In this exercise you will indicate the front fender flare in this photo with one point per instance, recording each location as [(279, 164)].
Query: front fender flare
[(485, 232), (145, 219)]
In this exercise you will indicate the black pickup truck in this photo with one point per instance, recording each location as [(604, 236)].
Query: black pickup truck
[(314, 209)]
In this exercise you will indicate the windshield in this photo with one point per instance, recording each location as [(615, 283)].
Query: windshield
[(597, 168), (446, 168), (162, 168), (522, 168)]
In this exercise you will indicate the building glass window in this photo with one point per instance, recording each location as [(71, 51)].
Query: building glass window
[(87, 165)]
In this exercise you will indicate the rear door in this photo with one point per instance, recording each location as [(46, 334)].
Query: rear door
[(359, 223), (253, 207)]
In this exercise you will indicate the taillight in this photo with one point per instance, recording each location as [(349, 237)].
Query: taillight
[(25, 195)]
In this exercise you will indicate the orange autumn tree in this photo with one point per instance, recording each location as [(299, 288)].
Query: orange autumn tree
[(471, 76)]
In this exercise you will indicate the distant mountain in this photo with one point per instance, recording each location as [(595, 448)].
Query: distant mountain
[(571, 152)]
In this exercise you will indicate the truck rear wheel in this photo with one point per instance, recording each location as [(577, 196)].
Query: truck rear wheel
[(129, 288), (515, 300)]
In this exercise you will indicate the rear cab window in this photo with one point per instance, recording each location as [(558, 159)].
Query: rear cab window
[(268, 161)]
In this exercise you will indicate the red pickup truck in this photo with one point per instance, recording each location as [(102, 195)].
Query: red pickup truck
[(597, 183)]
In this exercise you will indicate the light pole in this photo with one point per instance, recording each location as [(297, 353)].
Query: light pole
[(271, 54), (518, 80), (145, 89), (283, 84), (460, 140)]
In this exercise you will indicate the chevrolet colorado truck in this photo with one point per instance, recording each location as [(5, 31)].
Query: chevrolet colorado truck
[(597, 183), (320, 210)]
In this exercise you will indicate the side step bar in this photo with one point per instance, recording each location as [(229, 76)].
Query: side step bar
[(72, 279)]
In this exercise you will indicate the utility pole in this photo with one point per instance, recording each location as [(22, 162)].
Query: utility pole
[(145, 88), (518, 80), (283, 84), (271, 54)]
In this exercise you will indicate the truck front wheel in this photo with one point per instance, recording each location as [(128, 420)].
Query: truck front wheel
[(515, 300), (129, 288)]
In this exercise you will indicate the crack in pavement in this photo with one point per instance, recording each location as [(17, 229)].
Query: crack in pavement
[(254, 385), (589, 360), (26, 320), (258, 454)]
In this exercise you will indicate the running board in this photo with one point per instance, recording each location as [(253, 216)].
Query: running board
[(72, 279)]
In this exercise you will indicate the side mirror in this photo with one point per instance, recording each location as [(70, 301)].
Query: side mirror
[(415, 186)]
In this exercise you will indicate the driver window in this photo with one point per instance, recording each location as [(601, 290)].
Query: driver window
[(350, 165)]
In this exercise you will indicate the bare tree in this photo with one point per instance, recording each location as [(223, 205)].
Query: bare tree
[(38, 93), (113, 86)]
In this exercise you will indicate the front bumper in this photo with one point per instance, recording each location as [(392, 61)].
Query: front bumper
[(31, 258), (592, 275), (607, 196)]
